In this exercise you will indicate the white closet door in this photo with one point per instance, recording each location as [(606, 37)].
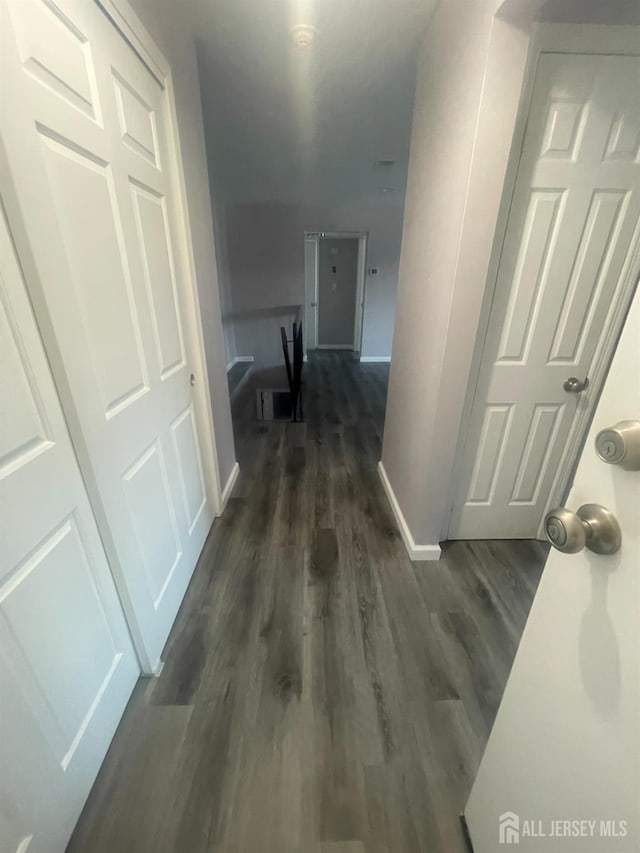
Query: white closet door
[(572, 228), (67, 665), (85, 127)]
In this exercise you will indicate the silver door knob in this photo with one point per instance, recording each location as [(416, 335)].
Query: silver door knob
[(620, 445), (592, 526), (575, 385)]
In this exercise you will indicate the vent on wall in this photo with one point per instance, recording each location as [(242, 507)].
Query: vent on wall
[(384, 164)]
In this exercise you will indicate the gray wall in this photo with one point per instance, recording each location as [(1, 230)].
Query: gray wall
[(469, 83), (168, 28), (265, 250), (226, 305)]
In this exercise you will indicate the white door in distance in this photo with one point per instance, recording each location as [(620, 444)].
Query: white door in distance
[(86, 134)]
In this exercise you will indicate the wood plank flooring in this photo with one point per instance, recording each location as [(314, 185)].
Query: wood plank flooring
[(321, 693)]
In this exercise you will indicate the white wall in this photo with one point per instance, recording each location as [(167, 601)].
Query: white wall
[(169, 27), (226, 305), (469, 83), (265, 253)]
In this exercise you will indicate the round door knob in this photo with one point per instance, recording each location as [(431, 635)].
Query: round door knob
[(574, 385), (565, 531), (620, 445), (592, 526)]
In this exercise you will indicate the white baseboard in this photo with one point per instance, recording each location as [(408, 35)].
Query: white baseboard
[(416, 552), (384, 358), (334, 346), (245, 359), (226, 492)]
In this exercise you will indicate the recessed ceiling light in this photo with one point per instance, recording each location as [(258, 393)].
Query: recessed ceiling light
[(302, 35)]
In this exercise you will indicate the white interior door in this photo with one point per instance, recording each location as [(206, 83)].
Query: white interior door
[(566, 741), (86, 133), (67, 665), (337, 291), (563, 277), (311, 292)]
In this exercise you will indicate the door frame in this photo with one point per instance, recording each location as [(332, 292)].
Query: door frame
[(311, 284), (568, 39), (122, 16)]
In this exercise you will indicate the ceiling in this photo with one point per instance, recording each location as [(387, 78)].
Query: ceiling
[(611, 12), (308, 124)]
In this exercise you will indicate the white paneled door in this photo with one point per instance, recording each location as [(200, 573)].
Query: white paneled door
[(67, 665), (563, 277), (86, 130)]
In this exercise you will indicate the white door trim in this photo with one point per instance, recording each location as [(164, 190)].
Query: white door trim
[(126, 20), (549, 38), (362, 277), (311, 287)]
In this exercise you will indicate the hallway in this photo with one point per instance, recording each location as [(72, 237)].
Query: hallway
[(321, 693)]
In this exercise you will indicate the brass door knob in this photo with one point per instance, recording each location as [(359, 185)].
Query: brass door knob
[(592, 526)]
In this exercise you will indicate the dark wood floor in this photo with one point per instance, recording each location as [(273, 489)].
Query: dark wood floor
[(321, 693)]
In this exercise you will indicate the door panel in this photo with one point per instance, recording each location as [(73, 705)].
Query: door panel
[(187, 451), (57, 54), (565, 742), (67, 666), (160, 280), (86, 138), (540, 235), (607, 213), (151, 510), (100, 272), (136, 121), (52, 595), (572, 228), (533, 467), (26, 434)]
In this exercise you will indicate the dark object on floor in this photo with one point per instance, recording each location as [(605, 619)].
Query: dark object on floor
[(273, 404), (294, 374)]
